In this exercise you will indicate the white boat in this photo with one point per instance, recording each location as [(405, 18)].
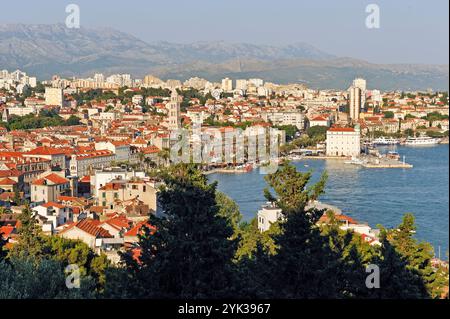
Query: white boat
[(295, 157), (355, 161), (385, 141), (421, 141)]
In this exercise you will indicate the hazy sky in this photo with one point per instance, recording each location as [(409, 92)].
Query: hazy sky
[(411, 31)]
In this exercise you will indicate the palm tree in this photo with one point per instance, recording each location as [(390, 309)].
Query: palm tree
[(164, 154), (142, 158), (149, 163)]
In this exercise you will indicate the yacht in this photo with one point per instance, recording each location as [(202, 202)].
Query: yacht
[(385, 141), (421, 141)]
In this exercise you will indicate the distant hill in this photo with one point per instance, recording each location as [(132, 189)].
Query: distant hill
[(45, 50)]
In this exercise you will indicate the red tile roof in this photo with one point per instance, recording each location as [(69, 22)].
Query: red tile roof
[(6, 231), (118, 222), (7, 181), (53, 204), (136, 229), (53, 178), (91, 227), (46, 151), (341, 129)]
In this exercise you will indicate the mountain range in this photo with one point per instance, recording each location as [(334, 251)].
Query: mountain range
[(45, 50)]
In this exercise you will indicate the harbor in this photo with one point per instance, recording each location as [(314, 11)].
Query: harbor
[(377, 196)]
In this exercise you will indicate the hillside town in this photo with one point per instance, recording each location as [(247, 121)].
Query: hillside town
[(80, 152)]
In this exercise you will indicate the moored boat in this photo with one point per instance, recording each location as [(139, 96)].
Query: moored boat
[(421, 141), (385, 141)]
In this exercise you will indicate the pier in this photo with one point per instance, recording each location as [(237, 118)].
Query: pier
[(387, 165)]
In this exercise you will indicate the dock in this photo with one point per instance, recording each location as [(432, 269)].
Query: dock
[(387, 165)]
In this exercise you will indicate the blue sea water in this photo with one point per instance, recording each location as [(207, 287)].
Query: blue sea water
[(376, 196)]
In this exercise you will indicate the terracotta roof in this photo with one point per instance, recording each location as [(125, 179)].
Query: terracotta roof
[(150, 150), (136, 229), (52, 204), (118, 222), (9, 173), (350, 220), (7, 181), (54, 178), (319, 118), (97, 209), (85, 179), (341, 129), (9, 196), (67, 198), (6, 231), (91, 227), (46, 151)]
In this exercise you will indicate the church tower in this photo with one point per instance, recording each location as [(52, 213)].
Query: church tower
[(174, 111)]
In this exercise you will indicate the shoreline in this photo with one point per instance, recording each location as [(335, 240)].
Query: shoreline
[(398, 165)]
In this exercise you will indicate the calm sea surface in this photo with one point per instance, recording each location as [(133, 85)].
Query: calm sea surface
[(376, 196)]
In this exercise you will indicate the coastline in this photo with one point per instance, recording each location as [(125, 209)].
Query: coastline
[(368, 194)]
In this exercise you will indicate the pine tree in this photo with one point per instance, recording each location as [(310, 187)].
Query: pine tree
[(190, 253), (3, 252), (418, 255), (30, 243), (396, 280), (304, 266)]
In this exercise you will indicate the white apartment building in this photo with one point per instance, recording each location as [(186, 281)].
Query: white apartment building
[(84, 163), (227, 85), (263, 91), (343, 141), (241, 85), (268, 215), (119, 148), (355, 98), (292, 117), (104, 176), (54, 96), (21, 110), (256, 82)]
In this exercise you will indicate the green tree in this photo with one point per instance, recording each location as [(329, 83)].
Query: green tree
[(228, 209), (190, 254), (73, 120), (396, 281), (317, 132), (418, 256), (30, 243), (302, 254), (388, 114), (27, 279), (290, 130)]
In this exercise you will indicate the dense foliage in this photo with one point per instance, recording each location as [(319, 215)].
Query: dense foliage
[(35, 266), (44, 119)]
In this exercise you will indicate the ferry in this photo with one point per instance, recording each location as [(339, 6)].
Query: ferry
[(385, 141), (421, 141)]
